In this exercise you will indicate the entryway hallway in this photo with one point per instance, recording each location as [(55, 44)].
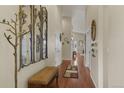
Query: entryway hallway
[(83, 81)]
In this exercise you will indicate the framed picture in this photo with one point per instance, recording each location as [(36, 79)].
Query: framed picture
[(33, 26), (25, 35), (40, 32), (37, 32), (45, 32)]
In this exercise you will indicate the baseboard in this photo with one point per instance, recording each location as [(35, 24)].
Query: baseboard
[(66, 60), (93, 81)]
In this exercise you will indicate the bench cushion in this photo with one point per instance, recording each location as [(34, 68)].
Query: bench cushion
[(44, 76)]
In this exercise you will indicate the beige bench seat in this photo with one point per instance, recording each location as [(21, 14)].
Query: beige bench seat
[(44, 77)]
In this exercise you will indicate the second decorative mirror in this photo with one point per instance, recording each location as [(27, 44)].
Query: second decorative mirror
[(93, 30)]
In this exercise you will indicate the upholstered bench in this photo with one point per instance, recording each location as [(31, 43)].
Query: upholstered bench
[(44, 77)]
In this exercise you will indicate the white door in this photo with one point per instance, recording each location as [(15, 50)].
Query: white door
[(58, 55)]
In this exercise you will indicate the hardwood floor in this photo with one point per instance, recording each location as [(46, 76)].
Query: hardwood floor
[(83, 81)]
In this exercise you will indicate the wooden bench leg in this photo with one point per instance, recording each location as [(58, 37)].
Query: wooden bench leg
[(57, 83)]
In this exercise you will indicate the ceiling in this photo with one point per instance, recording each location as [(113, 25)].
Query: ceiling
[(77, 15), (70, 10)]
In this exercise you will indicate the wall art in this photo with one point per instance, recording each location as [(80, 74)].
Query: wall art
[(34, 42), (30, 29)]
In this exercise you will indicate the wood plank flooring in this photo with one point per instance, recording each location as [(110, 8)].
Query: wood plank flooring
[(83, 81)]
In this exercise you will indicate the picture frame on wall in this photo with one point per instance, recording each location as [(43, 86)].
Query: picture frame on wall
[(26, 37), (33, 44), (37, 32), (45, 33)]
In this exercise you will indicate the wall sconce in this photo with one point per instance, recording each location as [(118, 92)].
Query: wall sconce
[(94, 44), (93, 52), (65, 39)]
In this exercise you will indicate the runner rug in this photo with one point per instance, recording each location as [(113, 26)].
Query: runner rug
[(71, 72)]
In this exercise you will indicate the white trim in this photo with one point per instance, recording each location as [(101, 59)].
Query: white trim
[(66, 59), (78, 32), (93, 81), (100, 47)]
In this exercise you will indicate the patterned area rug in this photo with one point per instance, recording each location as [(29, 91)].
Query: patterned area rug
[(71, 72)]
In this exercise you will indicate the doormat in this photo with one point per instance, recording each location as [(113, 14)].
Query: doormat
[(71, 72)]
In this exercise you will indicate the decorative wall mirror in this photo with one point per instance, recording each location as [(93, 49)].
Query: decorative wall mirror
[(45, 28), (37, 25), (25, 38), (93, 30), (33, 44)]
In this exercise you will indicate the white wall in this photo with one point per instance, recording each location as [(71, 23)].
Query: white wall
[(58, 29), (92, 13), (78, 21), (77, 13), (100, 46), (73, 21), (114, 46), (110, 38), (96, 63), (55, 25), (6, 51), (66, 48), (58, 50), (88, 49)]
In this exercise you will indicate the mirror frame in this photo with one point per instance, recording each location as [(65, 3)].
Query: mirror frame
[(93, 30), (43, 17)]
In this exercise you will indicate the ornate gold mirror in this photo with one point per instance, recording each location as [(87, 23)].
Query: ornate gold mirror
[(93, 30)]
